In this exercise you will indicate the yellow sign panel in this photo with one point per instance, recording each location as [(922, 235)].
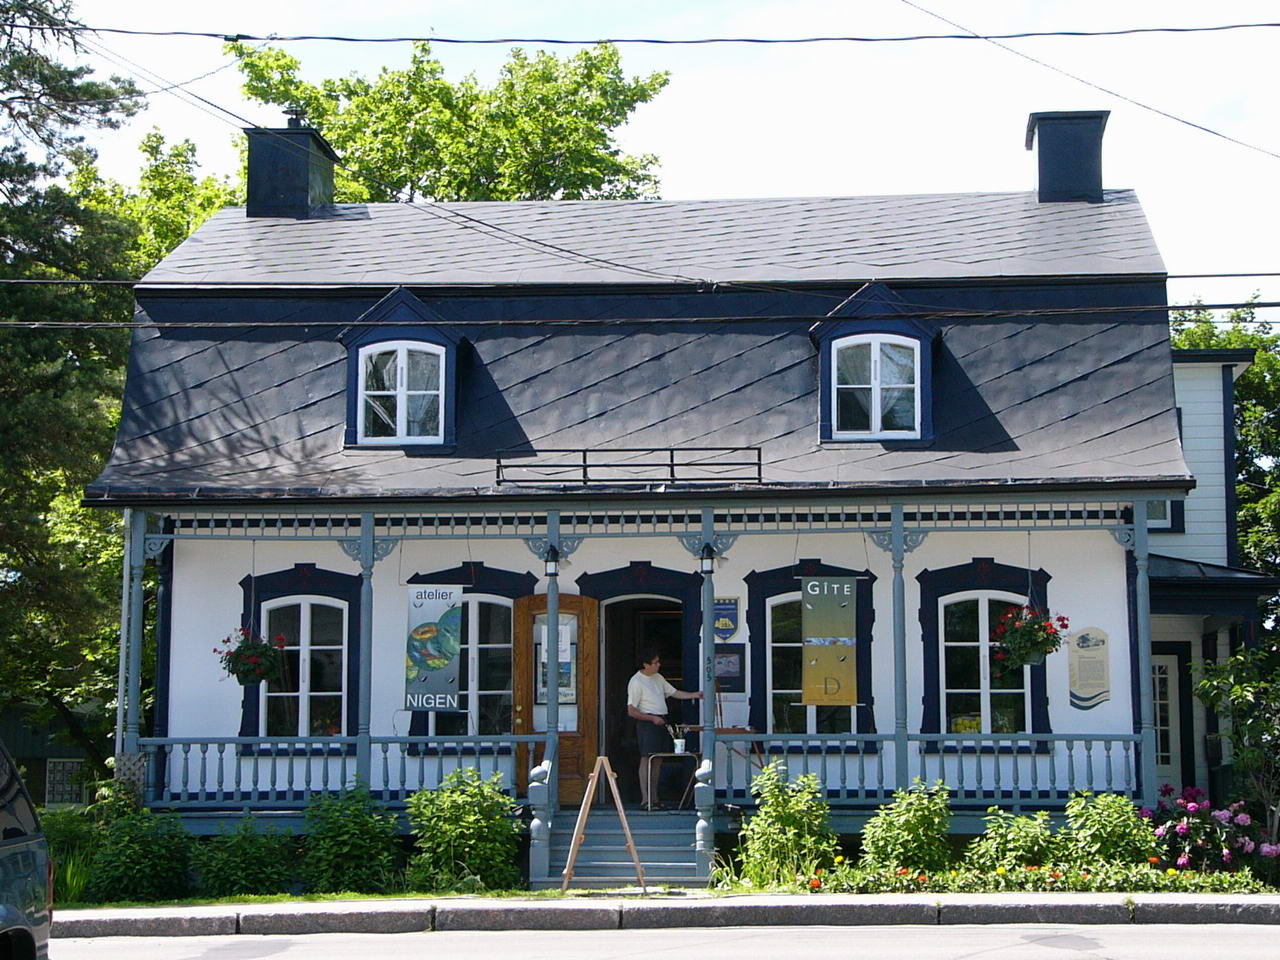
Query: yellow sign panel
[(828, 676)]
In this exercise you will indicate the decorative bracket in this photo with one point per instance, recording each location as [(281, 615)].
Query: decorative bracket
[(720, 543), (381, 549), (910, 539), (152, 547), (538, 546), (1124, 536)]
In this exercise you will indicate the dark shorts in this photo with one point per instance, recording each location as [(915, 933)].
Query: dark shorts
[(653, 738)]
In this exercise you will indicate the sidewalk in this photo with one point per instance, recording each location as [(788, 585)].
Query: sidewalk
[(657, 910)]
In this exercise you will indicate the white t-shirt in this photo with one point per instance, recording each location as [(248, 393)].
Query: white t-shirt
[(649, 694)]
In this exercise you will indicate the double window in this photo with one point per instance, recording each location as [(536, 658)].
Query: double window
[(484, 672), (875, 387), (786, 713), (310, 698), (401, 393), (979, 694)]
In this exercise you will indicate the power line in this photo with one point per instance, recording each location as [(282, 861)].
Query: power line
[(231, 36), (1089, 83)]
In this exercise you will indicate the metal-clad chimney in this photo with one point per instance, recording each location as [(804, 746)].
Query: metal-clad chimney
[(290, 171), (1070, 153)]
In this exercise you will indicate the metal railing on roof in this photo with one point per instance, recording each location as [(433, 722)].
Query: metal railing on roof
[(631, 465)]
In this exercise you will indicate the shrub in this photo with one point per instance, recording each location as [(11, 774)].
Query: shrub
[(789, 835), (1193, 835), (72, 873), (68, 832), (112, 800), (244, 861), (911, 833), (1011, 841), (142, 857), (466, 835), (350, 845), (1106, 828)]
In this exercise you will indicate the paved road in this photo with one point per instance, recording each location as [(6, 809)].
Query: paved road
[(1041, 942)]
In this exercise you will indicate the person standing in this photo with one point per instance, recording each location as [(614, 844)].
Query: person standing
[(647, 693)]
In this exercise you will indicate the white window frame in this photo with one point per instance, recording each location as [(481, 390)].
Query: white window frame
[(875, 340), (472, 645), (1160, 523), (984, 657), (305, 601), (810, 711), (402, 349)]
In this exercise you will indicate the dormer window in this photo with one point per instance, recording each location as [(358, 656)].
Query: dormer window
[(875, 387), (401, 391)]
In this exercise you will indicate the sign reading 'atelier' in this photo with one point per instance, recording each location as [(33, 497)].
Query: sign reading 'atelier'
[(829, 628)]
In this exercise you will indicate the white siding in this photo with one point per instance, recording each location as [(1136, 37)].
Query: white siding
[(1198, 392)]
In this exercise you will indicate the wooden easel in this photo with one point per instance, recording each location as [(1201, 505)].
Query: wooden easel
[(579, 828)]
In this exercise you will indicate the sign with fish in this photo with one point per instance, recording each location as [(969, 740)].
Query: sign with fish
[(432, 649), (829, 627)]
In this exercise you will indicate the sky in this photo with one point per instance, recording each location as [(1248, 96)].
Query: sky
[(821, 119)]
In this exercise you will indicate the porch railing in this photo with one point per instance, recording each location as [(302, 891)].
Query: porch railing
[(981, 769), (280, 773)]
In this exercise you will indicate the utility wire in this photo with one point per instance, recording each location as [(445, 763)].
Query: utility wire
[(1089, 83), (231, 37)]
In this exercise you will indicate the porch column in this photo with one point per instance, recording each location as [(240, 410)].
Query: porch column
[(551, 648), (136, 560), (897, 547), (364, 704), (122, 677), (1146, 705), (708, 647)]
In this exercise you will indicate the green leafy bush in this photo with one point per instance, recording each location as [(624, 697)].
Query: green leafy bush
[(1106, 828), (68, 831), (1011, 841), (142, 857), (789, 835), (350, 845), (911, 833), (72, 873), (245, 861), (466, 835)]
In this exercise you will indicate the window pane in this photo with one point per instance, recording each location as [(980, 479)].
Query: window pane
[(424, 415), (326, 671), (853, 365), (424, 371), (964, 713), (326, 625), (1158, 510), (495, 713), (282, 716), (288, 682), (495, 668), (996, 612), (380, 416), (495, 623), (786, 668), (1008, 713), (962, 668), (897, 365), (786, 624), (834, 720), (898, 409), (960, 622), (788, 713), (853, 409), (1003, 678), (453, 724), (380, 371), (326, 716), (286, 622)]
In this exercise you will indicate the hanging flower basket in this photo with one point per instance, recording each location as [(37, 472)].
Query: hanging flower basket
[(1025, 636), (250, 658)]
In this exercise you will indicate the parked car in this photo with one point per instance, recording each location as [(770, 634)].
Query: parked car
[(26, 872)]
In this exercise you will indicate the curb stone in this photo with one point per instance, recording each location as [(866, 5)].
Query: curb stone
[(524, 915), (835, 911), (376, 916), (1190, 908), (213, 921), (1034, 908)]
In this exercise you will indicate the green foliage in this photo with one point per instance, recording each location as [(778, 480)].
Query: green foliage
[(112, 800), (544, 131), (789, 834), (72, 873), (1103, 828), (911, 833), (68, 831), (466, 835), (245, 861), (1011, 841), (350, 844), (1246, 687), (143, 857)]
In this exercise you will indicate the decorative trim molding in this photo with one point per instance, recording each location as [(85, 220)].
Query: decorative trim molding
[(152, 547), (566, 545), (1124, 537), (910, 539), (381, 549), (720, 543)]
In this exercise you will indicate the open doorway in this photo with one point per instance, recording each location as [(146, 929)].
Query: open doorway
[(631, 624)]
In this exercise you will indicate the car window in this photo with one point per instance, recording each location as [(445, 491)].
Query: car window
[(17, 818)]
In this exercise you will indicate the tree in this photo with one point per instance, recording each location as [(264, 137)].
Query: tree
[(544, 131), (57, 387), (1257, 480)]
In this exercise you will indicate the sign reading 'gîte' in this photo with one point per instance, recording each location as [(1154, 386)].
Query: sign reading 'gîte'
[(828, 624), (432, 645)]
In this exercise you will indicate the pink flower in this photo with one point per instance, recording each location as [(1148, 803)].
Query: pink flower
[(1166, 790), (1243, 820), (1269, 850), (1246, 845), (1226, 855), (1192, 807), (1180, 802), (1222, 816), (1162, 830), (1184, 861), (1145, 813), (1181, 829)]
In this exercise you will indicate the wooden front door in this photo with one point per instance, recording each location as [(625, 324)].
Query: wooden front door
[(579, 706)]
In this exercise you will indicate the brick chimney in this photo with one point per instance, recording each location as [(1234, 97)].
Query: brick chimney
[(1070, 154), (290, 171)]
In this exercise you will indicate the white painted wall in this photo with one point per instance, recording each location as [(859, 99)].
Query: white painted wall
[(1198, 393)]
